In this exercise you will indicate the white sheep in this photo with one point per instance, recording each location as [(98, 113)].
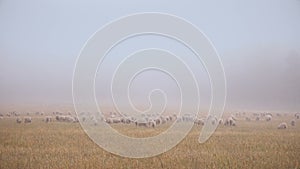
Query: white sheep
[(75, 119), (125, 120), (268, 117), (187, 118), (151, 123), (220, 121), (65, 118), (293, 122), (95, 122), (19, 120), (179, 119), (27, 120), (212, 119), (141, 123), (269, 114), (233, 117), (230, 122), (163, 120), (108, 120), (60, 118), (174, 117), (116, 120), (158, 121), (69, 119), (297, 115), (48, 119), (113, 120), (199, 121), (282, 126)]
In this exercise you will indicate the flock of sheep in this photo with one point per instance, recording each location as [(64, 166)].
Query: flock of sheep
[(152, 120), (145, 121), (231, 120)]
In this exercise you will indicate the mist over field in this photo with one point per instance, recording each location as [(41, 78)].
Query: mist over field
[(258, 43)]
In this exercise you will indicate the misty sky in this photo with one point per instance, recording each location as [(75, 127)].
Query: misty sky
[(258, 43)]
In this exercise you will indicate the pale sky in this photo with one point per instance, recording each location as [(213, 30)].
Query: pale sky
[(258, 42)]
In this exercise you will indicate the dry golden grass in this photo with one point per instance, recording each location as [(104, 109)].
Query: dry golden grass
[(65, 145)]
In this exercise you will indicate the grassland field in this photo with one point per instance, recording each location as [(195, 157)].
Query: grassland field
[(250, 144)]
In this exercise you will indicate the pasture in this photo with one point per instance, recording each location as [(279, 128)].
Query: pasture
[(249, 144)]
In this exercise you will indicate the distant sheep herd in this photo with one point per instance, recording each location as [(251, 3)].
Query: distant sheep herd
[(151, 121)]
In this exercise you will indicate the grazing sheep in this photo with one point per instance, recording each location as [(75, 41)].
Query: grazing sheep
[(116, 120), (167, 118), (1, 117), (113, 120), (65, 119), (179, 119), (268, 117), (293, 122), (162, 120), (125, 120), (158, 121), (199, 121), (95, 122), (230, 122), (248, 119), (108, 120), (187, 118), (212, 119), (141, 123), (257, 118), (48, 119), (113, 114), (151, 123), (233, 117), (282, 126), (69, 119), (269, 114), (75, 119), (174, 117), (58, 113), (297, 115), (146, 123), (221, 121), (19, 120), (27, 120), (60, 118)]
